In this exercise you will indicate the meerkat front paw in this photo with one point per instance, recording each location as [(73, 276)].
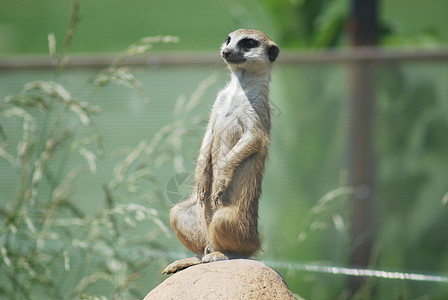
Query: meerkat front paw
[(202, 186), (219, 187), (201, 194), (216, 198)]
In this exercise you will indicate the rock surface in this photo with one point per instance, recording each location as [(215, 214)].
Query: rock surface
[(228, 279)]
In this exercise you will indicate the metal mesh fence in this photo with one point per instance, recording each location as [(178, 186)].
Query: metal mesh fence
[(303, 216)]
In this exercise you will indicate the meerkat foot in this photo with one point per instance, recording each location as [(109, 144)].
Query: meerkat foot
[(214, 256), (181, 264)]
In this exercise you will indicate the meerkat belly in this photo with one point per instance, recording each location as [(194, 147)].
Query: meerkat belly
[(228, 132)]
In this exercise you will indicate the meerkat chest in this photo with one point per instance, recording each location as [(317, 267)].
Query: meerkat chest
[(234, 111)]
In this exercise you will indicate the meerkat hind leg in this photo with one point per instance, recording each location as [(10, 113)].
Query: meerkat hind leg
[(189, 226), (181, 264)]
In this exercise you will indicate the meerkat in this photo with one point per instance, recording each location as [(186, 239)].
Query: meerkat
[(220, 219)]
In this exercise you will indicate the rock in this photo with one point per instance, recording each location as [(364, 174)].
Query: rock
[(228, 279)]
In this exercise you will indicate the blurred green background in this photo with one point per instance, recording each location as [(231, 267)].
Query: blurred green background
[(111, 25), (72, 167)]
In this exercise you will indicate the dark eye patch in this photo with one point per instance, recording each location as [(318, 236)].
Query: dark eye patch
[(248, 43), (228, 40)]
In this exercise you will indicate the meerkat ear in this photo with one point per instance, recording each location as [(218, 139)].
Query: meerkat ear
[(273, 51)]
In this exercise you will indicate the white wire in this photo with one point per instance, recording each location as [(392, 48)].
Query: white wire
[(357, 272)]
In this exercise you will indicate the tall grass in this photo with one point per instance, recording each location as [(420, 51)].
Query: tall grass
[(44, 234)]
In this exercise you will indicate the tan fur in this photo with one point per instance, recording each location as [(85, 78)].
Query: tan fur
[(220, 219)]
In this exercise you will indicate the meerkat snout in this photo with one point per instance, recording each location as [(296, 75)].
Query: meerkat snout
[(226, 53)]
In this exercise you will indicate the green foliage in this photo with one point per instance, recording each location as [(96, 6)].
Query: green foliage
[(309, 23), (322, 24), (410, 147)]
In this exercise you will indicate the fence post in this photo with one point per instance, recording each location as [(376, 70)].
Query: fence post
[(362, 29)]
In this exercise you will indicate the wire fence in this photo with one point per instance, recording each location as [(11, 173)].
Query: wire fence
[(310, 135)]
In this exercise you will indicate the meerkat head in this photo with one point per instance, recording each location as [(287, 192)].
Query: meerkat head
[(248, 48)]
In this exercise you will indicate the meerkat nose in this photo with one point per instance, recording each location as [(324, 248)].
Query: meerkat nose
[(226, 53)]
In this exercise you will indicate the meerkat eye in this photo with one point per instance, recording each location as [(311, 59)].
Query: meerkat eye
[(228, 40), (248, 43)]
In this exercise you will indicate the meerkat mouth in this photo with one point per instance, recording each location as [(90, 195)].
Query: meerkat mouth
[(235, 61)]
